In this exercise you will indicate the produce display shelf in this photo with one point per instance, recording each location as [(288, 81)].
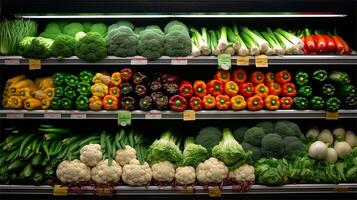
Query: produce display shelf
[(201, 60), (172, 115), (179, 190)]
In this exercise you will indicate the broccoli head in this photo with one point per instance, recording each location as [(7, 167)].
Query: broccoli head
[(91, 47), (293, 146), (122, 42), (239, 133), (87, 26), (177, 43), (63, 46), (37, 47), (151, 44), (254, 136), (209, 137), (137, 30), (62, 24), (257, 154), (99, 28), (273, 145), (121, 23), (287, 128), (268, 126), (73, 28), (175, 23)]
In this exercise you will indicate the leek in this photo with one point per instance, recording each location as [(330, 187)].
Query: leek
[(214, 48), (271, 34), (270, 51), (288, 46), (222, 42), (229, 50), (252, 46), (262, 44), (205, 37), (273, 46), (232, 38), (195, 49), (243, 51), (292, 38), (201, 42)]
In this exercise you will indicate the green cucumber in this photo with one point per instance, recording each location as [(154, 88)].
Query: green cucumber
[(45, 148), (16, 165), (89, 139), (25, 142), (12, 156)]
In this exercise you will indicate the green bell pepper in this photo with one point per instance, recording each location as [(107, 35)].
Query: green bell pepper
[(350, 102), (319, 76), (301, 78), (301, 103), (58, 79), (305, 91), (66, 104), (341, 78), (71, 80), (82, 103), (333, 104), (83, 88), (59, 91), (70, 92), (56, 103), (317, 103), (328, 89), (86, 76), (346, 90)]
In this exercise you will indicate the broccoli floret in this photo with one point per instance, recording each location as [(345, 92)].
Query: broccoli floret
[(87, 26), (257, 154), (273, 145), (287, 128), (99, 28), (175, 23), (73, 28), (254, 136), (137, 30), (293, 146), (209, 137), (151, 44), (121, 23), (63, 46), (122, 42), (91, 47), (239, 133), (37, 47), (177, 43), (268, 126), (52, 30)]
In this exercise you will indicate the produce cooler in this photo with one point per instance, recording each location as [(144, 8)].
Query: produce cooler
[(178, 99)]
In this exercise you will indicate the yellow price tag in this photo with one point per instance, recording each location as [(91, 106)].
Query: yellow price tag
[(243, 60), (103, 192), (341, 189), (261, 61), (60, 190), (187, 190), (189, 115), (214, 192), (34, 64), (332, 115)]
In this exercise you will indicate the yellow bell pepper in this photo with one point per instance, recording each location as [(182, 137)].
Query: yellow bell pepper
[(43, 83), (15, 102), (14, 88), (25, 93), (50, 93), (99, 90), (45, 103), (32, 103), (38, 94), (231, 88), (238, 102), (101, 78), (14, 80)]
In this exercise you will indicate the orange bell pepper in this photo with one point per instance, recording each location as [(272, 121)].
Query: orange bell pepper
[(256, 77), (275, 89), (95, 103), (115, 79), (223, 102), (272, 102), (222, 75), (255, 103), (215, 87), (209, 102), (238, 102), (239, 76), (261, 90), (231, 88), (269, 78), (200, 88), (115, 91), (110, 102)]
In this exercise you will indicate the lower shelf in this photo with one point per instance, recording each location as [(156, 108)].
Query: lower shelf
[(179, 190)]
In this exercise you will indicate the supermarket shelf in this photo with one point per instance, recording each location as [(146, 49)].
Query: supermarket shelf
[(201, 60), (172, 115), (179, 190)]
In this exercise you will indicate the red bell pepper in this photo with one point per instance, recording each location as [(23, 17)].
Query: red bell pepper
[(223, 102), (178, 103), (215, 87), (223, 76), (255, 103), (246, 89), (269, 78), (186, 89), (261, 90), (283, 77), (126, 74), (286, 102), (200, 88), (256, 77), (331, 46), (274, 89), (239, 76), (196, 103), (289, 90)]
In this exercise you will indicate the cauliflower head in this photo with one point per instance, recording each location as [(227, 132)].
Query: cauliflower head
[(135, 174), (185, 175), (73, 172), (243, 173), (91, 154), (124, 156), (211, 171), (103, 173), (163, 171)]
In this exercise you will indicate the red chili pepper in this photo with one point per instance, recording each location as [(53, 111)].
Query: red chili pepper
[(339, 45), (222, 75), (186, 89), (239, 76), (215, 87), (274, 89), (309, 42), (256, 77), (126, 74), (178, 103), (196, 103), (330, 44), (321, 43), (289, 90), (246, 89), (346, 48), (283, 77), (286, 102)]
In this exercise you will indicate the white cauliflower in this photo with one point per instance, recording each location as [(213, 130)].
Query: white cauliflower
[(124, 156), (211, 171), (135, 174), (185, 175), (243, 173), (73, 172), (103, 173), (91, 154), (163, 171)]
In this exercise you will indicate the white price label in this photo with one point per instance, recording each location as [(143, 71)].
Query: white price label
[(52, 115), (15, 115), (138, 61), (153, 115), (179, 61), (12, 61), (78, 116)]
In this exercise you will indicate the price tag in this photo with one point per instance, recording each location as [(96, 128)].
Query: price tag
[(78, 116), (224, 61), (189, 115), (124, 118), (332, 115), (261, 61), (243, 60), (153, 115), (341, 188), (214, 192), (179, 61), (103, 192), (60, 190), (50, 115), (187, 190), (12, 61), (15, 115), (34, 64), (138, 61)]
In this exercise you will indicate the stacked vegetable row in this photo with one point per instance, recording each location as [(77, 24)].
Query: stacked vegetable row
[(323, 90)]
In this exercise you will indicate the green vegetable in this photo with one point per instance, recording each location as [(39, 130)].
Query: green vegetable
[(16, 165), (63, 46), (175, 25), (328, 89), (267, 126), (58, 78), (82, 103), (209, 137), (319, 76), (71, 80), (28, 170), (122, 42), (91, 47), (301, 103), (301, 78), (340, 78), (305, 91), (177, 39), (86, 76), (66, 104), (56, 103), (287, 128), (271, 171), (239, 133), (38, 178), (59, 91), (293, 146), (350, 101), (254, 136), (333, 104), (151, 43), (70, 92), (35, 47), (99, 28), (193, 154), (317, 103), (86, 26), (256, 151), (52, 30), (302, 170), (73, 28), (36, 160), (83, 88), (273, 145), (121, 23), (346, 90)]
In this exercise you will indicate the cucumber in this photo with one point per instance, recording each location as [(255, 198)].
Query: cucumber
[(38, 147), (45, 148), (28, 170), (16, 165), (89, 139), (25, 142), (12, 156), (16, 141), (36, 160), (56, 149)]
